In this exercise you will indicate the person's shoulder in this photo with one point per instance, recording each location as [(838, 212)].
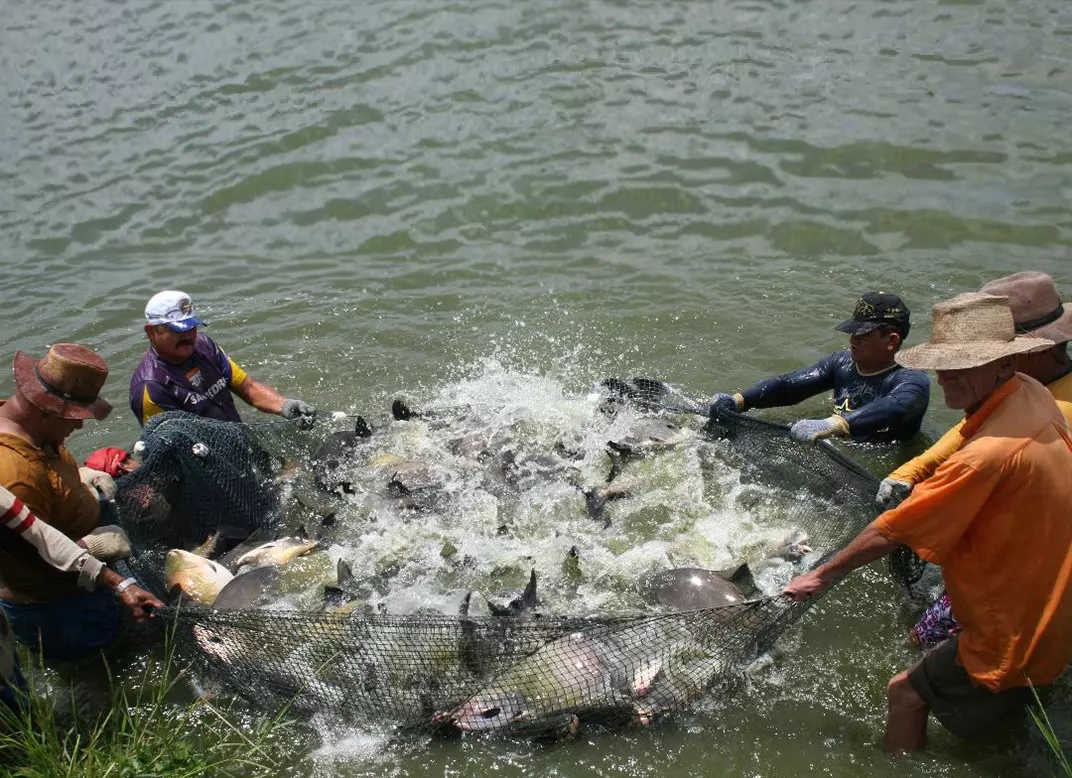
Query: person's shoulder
[(910, 375), (207, 346), (145, 367)]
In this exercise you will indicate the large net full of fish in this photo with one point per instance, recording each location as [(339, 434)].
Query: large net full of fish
[(513, 670)]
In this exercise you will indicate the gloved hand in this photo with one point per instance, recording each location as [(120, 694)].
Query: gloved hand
[(721, 402), (811, 430), (100, 482), (107, 543), (892, 492), (299, 410)]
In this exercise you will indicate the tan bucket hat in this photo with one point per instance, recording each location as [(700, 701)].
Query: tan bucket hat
[(970, 330), (1036, 306), (66, 383)]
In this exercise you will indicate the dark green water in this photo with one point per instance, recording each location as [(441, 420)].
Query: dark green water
[(369, 198)]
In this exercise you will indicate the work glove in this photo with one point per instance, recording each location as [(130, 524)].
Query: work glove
[(100, 482), (300, 411), (107, 543), (892, 492), (722, 402), (812, 430)]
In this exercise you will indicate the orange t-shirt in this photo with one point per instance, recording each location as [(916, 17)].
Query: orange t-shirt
[(997, 517)]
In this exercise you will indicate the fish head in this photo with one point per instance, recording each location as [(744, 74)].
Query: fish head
[(488, 711), (199, 579)]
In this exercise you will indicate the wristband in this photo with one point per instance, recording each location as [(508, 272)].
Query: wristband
[(125, 584)]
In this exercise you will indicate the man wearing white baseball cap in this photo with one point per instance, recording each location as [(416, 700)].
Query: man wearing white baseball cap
[(994, 516), (184, 370)]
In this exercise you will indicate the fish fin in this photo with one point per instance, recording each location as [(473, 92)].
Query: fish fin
[(362, 428), (615, 463), (499, 611), (463, 609), (343, 573), (301, 532), (644, 675), (741, 576), (528, 597), (401, 412)]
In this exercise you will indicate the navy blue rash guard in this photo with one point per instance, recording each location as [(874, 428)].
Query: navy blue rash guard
[(879, 408)]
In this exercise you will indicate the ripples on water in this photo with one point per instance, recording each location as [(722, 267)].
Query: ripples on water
[(366, 197)]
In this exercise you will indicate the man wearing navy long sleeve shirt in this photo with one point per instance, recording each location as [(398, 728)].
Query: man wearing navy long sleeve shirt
[(875, 399)]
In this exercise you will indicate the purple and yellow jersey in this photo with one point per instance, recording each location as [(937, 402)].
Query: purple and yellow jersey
[(203, 385)]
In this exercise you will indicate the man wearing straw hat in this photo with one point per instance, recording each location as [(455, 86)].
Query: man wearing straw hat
[(53, 397), (1037, 310), (995, 517)]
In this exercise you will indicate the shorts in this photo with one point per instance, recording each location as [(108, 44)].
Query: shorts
[(67, 629), (965, 708)]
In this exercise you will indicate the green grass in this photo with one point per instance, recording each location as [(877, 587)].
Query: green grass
[(143, 733), (1042, 721)]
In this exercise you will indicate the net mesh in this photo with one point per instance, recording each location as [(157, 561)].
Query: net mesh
[(537, 674)]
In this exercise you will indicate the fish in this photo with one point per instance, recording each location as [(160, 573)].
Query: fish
[(198, 579), (251, 589), (596, 498), (649, 435), (522, 603), (334, 452), (646, 393), (416, 485), (256, 587), (645, 437), (275, 553), (687, 588), (606, 674)]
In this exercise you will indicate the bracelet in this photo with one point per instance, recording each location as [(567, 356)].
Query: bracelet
[(124, 584)]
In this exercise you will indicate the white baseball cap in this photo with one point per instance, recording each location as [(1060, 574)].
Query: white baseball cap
[(173, 308)]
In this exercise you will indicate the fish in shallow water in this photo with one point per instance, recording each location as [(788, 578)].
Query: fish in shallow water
[(623, 673), (596, 498), (338, 448), (686, 588), (200, 580), (275, 553)]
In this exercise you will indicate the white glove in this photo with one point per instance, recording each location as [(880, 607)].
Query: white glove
[(100, 482), (811, 430), (892, 492), (107, 543)]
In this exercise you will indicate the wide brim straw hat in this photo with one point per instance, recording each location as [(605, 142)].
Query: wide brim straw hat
[(65, 383), (970, 330), (1036, 306)]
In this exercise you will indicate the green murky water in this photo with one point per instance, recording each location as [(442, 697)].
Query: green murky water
[(368, 198)]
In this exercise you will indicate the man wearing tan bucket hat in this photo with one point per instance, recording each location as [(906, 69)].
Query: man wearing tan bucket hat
[(995, 517), (1037, 310), (53, 397)]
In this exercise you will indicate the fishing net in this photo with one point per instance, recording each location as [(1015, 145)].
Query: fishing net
[(199, 477), (535, 674)]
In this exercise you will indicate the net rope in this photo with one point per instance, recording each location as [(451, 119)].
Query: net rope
[(535, 675)]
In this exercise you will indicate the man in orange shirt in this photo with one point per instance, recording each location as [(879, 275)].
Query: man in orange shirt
[(1037, 311), (999, 500)]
